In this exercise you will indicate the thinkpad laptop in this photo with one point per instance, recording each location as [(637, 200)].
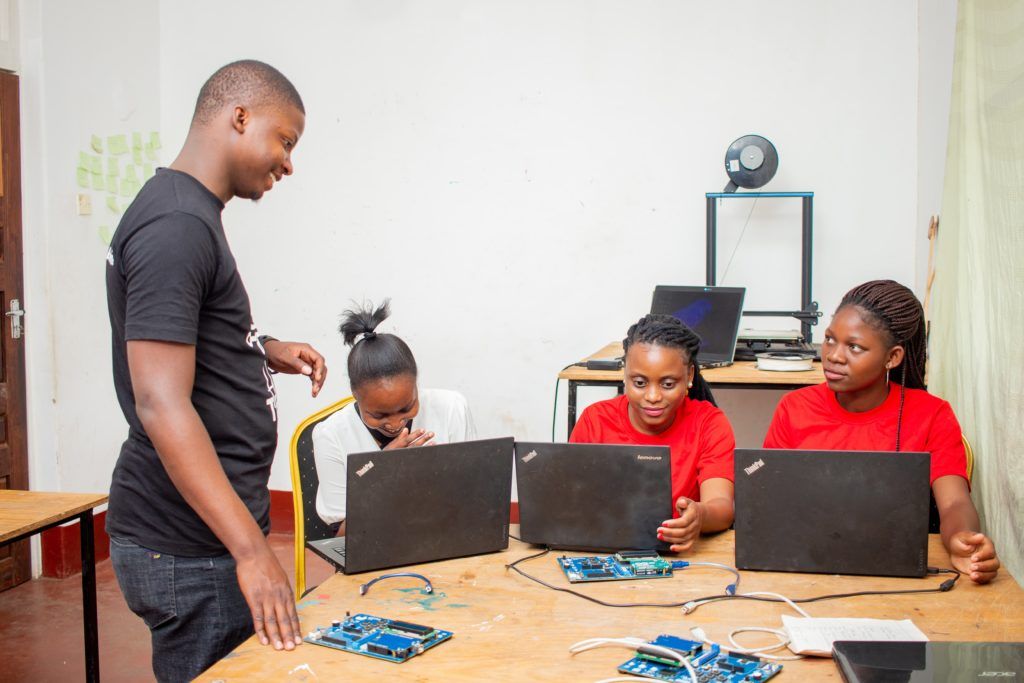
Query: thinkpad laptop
[(413, 505), (712, 312), (592, 496), (934, 662), (832, 512)]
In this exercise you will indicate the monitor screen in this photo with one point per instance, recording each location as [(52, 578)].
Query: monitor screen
[(712, 312)]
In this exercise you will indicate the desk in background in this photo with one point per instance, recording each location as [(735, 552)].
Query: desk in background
[(508, 628), (743, 374), (24, 513)]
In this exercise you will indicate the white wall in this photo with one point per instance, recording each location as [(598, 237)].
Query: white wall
[(9, 32), (516, 176), (87, 68), (936, 42)]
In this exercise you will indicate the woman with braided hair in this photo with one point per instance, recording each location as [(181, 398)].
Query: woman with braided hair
[(874, 399), (668, 403)]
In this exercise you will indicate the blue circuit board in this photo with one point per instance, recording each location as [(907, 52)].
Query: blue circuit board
[(624, 565), (713, 665), (395, 641)]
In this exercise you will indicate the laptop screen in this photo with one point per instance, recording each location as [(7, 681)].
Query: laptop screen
[(712, 312)]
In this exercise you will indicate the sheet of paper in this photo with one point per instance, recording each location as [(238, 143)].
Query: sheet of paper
[(815, 636)]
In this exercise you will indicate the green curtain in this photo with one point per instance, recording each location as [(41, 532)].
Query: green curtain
[(977, 333)]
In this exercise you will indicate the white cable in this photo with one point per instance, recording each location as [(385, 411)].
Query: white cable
[(694, 604), (635, 643)]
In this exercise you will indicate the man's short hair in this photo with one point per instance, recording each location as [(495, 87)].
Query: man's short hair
[(248, 82)]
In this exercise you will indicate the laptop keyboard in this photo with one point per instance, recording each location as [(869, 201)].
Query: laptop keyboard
[(339, 552)]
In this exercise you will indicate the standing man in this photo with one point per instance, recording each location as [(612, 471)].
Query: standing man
[(189, 505)]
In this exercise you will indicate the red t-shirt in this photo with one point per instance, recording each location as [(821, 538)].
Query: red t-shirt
[(812, 419), (700, 440)]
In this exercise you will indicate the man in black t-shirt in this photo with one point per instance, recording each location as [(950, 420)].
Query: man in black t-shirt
[(189, 506)]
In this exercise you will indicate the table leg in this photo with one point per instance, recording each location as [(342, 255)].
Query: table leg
[(92, 649), (572, 408)]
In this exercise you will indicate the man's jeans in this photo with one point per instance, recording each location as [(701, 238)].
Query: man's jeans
[(193, 607)]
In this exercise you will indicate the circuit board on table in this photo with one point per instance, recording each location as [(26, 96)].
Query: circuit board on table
[(395, 641), (623, 565), (712, 664)]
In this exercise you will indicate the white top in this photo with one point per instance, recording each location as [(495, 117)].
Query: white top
[(443, 412)]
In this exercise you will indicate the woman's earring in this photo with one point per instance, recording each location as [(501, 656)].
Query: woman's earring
[(690, 385), (887, 367)]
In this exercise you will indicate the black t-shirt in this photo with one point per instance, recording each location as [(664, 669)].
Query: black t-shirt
[(171, 277)]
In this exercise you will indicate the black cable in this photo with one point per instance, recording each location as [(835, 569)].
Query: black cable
[(515, 537), (943, 587)]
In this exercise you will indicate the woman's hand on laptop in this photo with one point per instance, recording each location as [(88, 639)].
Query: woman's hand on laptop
[(972, 553), (682, 532), (407, 439)]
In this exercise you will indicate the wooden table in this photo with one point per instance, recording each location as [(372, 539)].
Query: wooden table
[(742, 373), (508, 628), (24, 513)]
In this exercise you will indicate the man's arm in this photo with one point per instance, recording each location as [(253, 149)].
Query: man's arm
[(162, 375)]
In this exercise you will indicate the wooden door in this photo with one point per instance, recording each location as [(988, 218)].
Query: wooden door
[(14, 559)]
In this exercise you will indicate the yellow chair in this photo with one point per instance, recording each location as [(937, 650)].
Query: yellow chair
[(308, 525), (969, 453)]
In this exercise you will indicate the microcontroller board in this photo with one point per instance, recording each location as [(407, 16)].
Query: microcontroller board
[(395, 641), (712, 664), (623, 565)]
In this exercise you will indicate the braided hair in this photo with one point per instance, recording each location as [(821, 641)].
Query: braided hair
[(671, 332), (893, 310), (374, 356)]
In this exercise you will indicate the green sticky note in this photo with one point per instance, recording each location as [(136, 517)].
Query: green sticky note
[(83, 160), (129, 188), (83, 178), (112, 184), (129, 172), (98, 182), (117, 144), (96, 165), (151, 152), (154, 140), (147, 171), (112, 204), (105, 235), (113, 166), (136, 140), (97, 144), (137, 156)]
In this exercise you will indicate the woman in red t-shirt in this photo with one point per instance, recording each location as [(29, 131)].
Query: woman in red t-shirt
[(874, 399), (668, 403)]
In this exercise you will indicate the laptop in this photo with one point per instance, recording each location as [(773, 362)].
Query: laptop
[(935, 662), (593, 497), (414, 505), (712, 312), (832, 512)]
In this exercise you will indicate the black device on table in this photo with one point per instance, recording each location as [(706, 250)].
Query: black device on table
[(832, 512), (593, 497), (413, 505), (934, 662), (712, 312)]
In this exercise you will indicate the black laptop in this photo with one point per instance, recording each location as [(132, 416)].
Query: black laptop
[(832, 512), (413, 505), (712, 312), (935, 662), (592, 496)]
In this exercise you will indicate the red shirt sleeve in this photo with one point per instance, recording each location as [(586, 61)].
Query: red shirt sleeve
[(945, 443), (778, 431), (717, 449)]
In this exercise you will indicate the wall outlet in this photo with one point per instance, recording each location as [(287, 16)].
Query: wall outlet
[(84, 205)]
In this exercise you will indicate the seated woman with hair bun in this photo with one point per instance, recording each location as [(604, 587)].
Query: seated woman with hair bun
[(390, 410)]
